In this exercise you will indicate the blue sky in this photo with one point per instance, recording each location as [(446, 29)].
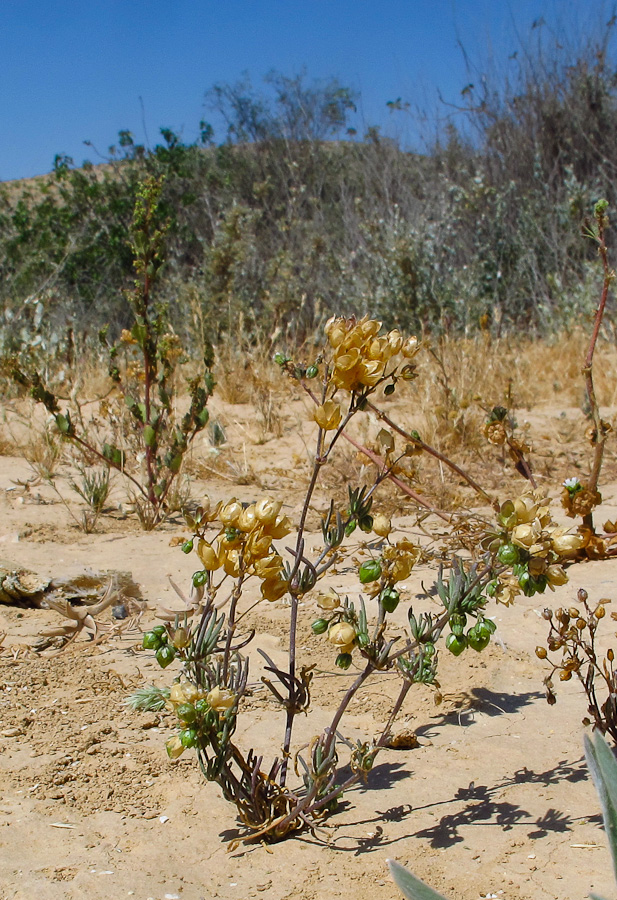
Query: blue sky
[(75, 70)]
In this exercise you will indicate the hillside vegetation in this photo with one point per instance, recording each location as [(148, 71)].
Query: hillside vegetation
[(294, 217)]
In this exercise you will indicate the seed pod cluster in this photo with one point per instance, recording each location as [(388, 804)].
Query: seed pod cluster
[(572, 635)]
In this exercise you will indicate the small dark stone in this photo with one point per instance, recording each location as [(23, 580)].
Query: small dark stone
[(119, 611)]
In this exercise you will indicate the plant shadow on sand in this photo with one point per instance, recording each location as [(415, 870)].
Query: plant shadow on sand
[(492, 703), (480, 809)]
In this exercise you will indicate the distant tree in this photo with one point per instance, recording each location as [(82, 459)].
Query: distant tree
[(298, 111)]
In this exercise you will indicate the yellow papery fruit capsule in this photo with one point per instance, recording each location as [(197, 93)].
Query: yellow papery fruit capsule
[(525, 508), (344, 362), (266, 510), (258, 544), (328, 416), (174, 747), (329, 600), (382, 526), (407, 545), (556, 575), (537, 565), (230, 513), (247, 518), (269, 566), (377, 349), (564, 543), (346, 379), (352, 341), (335, 331), (368, 328), (176, 693), (342, 635), (540, 549), (281, 528), (231, 563), (401, 568), (410, 347), (181, 638), (191, 692), (210, 558), (544, 516), (526, 535), (370, 372), (220, 699), (273, 589), (395, 342)]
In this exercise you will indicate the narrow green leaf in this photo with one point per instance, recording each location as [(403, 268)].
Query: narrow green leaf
[(603, 768), (411, 888)]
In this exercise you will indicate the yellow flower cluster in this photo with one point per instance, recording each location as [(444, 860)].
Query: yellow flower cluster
[(244, 543), (184, 692), (398, 560), (361, 354), (530, 527)]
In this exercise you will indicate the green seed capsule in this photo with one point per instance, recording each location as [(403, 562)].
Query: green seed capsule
[(188, 737), (389, 599), (456, 644), (187, 546), (508, 554), (312, 372), (457, 623), (165, 656), (160, 630), (369, 571), (151, 641), (343, 660), (319, 626), (200, 578), (477, 640), (186, 712)]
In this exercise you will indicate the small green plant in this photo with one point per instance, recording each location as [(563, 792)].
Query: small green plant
[(148, 450), (603, 770), (94, 490)]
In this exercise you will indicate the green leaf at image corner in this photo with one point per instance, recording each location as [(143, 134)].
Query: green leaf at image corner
[(603, 768), (411, 888)]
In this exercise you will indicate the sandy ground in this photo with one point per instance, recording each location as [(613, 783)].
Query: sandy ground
[(495, 801)]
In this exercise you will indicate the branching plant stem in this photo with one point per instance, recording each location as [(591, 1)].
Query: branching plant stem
[(600, 430)]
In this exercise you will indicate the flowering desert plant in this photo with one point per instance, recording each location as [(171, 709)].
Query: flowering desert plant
[(242, 563)]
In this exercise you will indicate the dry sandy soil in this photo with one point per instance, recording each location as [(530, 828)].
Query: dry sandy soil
[(495, 800)]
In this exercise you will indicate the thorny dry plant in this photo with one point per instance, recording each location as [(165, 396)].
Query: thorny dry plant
[(85, 619)]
